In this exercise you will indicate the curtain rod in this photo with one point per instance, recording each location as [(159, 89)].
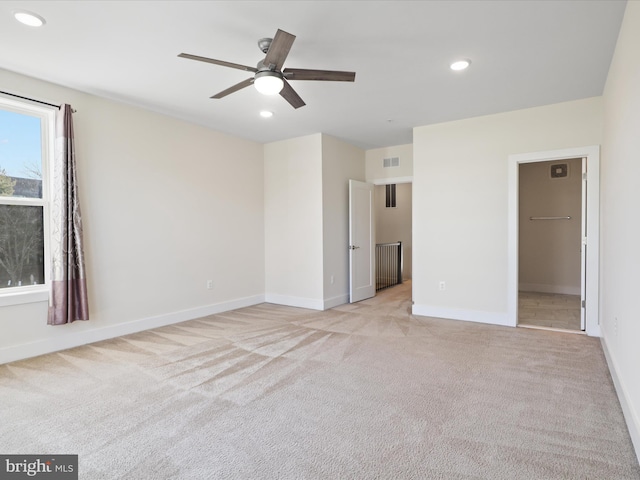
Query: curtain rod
[(31, 99)]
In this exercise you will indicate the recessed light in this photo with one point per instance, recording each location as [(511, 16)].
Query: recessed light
[(266, 114), (29, 18), (460, 65)]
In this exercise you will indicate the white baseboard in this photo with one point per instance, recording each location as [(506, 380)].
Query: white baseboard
[(493, 318), (543, 288), (631, 416), (289, 301), (76, 339), (335, 301)]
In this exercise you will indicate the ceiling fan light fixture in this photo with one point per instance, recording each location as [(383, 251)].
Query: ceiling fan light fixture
[(460, 65), (29, 18), (268, 75), (268, 82)]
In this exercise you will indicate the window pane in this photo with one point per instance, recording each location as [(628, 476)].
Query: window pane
[(390, 198), (20, 155), (21, 246)]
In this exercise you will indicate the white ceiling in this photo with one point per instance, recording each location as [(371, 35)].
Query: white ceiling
[(524, 54)]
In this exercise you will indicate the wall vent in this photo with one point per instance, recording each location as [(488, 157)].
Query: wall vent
[(559, 170), (391, 162)]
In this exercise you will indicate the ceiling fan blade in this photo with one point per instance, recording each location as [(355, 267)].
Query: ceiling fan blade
[(326, 75), (279, 49), (290, 95), (235, 88), (218, 62)]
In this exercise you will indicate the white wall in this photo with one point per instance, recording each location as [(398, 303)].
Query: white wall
[(620, 176), (394, 224), (306, 219), (340, 162), (398, 224), (293, 222), (167, 205), (550, 250), (460, 202), (375, 173)]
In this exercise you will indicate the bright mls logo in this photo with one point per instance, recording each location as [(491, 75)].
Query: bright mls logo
[(51, 467)]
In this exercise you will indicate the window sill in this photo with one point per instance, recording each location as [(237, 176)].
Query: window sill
[(32, 295)]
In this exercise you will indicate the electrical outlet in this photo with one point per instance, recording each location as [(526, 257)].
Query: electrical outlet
[(615, 326), (442, 285), (331, 279), (209, 284)]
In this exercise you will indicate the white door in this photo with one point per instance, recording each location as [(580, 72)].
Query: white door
[(583, 250), (361, 242)]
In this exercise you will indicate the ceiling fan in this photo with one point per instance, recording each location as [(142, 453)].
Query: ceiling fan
[(269, 78)]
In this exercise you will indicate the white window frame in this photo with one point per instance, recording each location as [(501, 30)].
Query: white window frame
[(34, 293)]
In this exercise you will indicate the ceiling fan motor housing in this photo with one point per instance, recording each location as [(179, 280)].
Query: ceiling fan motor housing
[(265, 68), (264, 44)]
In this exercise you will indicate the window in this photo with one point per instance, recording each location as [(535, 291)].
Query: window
[(390, 197), (25, 148)]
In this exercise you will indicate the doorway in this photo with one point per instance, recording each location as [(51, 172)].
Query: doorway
[(550, 273), (590, 241), (380, 216), (393, 206)]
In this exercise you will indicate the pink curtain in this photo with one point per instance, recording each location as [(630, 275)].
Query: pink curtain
[(68, 297)]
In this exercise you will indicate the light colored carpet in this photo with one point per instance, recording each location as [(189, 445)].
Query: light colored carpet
[(361, 391)]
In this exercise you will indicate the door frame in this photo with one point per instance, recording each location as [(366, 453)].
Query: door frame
[(399, 180), (592, 264)]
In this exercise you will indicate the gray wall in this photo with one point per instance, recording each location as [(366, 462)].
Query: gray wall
[(549, 253)]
